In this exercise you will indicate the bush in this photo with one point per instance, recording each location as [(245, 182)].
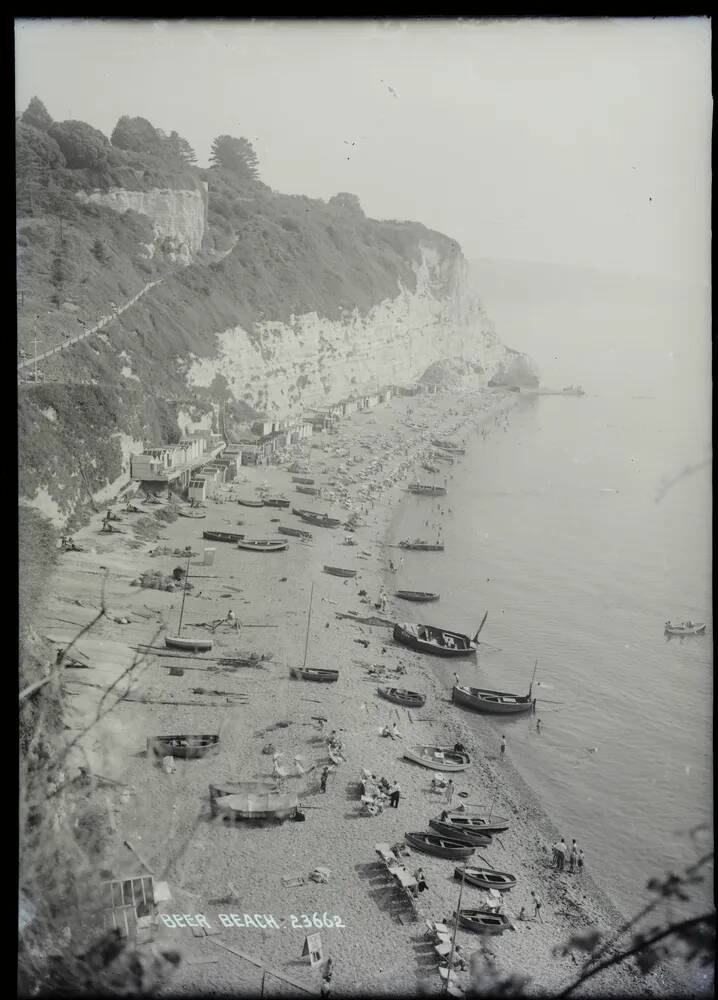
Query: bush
[(81, 144)]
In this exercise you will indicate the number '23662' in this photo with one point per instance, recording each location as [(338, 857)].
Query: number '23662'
[(316, 921)]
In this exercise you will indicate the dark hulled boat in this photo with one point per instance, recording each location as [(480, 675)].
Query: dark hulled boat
[(222, 536), (483, 921), (416, 595), (442, 847), (410, 699), (438, 641), (423, 489), (185, 747), (321, 520)]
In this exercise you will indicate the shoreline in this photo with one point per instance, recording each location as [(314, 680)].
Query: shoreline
[(374, 953)]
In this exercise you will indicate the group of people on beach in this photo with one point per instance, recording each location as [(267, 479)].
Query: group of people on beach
[(575, 857)]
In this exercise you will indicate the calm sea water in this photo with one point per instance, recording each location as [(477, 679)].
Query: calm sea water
[(558, 529)]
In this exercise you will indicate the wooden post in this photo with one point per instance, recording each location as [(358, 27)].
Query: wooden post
[(184, 595), (456, 925)]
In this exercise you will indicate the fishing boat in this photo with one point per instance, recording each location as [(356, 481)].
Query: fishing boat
[(410, 699), (278, 502), (296, 532), (322, 520), (338, 571), (184, 747), (313, 491), (425, 490), (442, 847), (483, 921), (418, 546), (458, 820), (416, 595), (685, 628), (464, 836), (448, 446), (263, 544), (438, 758), (222, 536), (249, 502), (486, 878), (189, 643), (254, 806), (494, 702), (303, 479), (314, 674), (192, 513), (438, 641)]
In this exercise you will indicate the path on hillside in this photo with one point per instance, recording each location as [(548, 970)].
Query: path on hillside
[(104, 320)]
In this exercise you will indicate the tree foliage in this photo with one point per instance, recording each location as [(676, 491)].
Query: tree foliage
[(176, 146), (236, 155), (81, 144), (348, 203), (136, 135), (36, 114)]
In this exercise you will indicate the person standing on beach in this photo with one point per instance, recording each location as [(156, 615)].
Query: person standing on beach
[(554, 859), (562, 854), (573, 857), (323, 779), (538, 903), (394, 795), (449, 791), (579, 863), (503, 747)]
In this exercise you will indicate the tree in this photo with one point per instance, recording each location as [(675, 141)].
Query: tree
[(347, 202), (236, 155), (36, 114), (81, 144), (180, 148), (136, 135)]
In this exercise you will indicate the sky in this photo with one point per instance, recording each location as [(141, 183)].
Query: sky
[(568, 141)]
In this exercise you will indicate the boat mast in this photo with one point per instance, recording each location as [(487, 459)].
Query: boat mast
[(184, 594), (532, 680), (309, 618), (456, 925), (476, 637)]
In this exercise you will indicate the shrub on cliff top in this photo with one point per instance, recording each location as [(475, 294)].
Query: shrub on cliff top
[(36, 114), (81, 144)]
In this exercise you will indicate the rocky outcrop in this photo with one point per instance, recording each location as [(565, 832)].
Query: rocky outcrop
[(178, 217), (516, 369), (283, 368)]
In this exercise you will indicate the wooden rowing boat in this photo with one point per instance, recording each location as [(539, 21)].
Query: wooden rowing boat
[(419, 546), (296, 532), (429, 468), (483, 921), (321, 520), (685, 628), (254, 806), (195, 645), (192, 513), (416, 595), (306, 480), (184, 747), (442, 847), (241, 788), (263, 544), (477, 821), (486, 878), (222, 536), (438, 758), (492, 702), (278, 502), (422, 489), (465, 836), (314, 674), (313, 491), (338, 571), (448, 446), (249, 502), (437, 641), (410, 699)]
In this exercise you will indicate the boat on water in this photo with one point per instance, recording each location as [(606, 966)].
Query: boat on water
[(483, 921), (192, 513), (313, 491), (263, 544), (410, 699), (254, 806), (474, 821), (314, 674), (685, 628), (465, 836), (418, 546), (222, 536), (250, 502), (495, 702), (321, 520), (416, 595), (194, 644), (296, 532), (434, 640), (338, 571), (278, 502), (423, 489), (442, 847), (438, 758), (486, 878), (184, 747)]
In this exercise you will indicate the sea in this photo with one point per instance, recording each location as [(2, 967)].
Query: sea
[(580, 524)]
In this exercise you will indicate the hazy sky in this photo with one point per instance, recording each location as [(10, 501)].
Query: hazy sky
[(569, 141)]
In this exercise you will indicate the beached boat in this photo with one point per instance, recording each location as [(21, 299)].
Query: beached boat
[(338, 571), (442, 847), (464, 836), (254, 806), (448, 446), (314, 674), (416, 595), (478, 822), (303, 479), (492, 702), (222, 536), (410, 699), (263, 544), (685, 628), (422, 489), (438, 758), (429, 468), (278, 502), (242, 788), (486, 878), (192, 513), (483, 921), (438, 641), (185, 747), (195, 645), (313, 491), (321, 520), (296, 532), (418, 546), (249, 502)]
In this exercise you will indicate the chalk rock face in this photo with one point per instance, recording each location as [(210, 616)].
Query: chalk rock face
[(178, 217), (283, 368), (516, 369)]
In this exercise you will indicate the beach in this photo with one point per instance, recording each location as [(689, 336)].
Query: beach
[(215, 869)]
